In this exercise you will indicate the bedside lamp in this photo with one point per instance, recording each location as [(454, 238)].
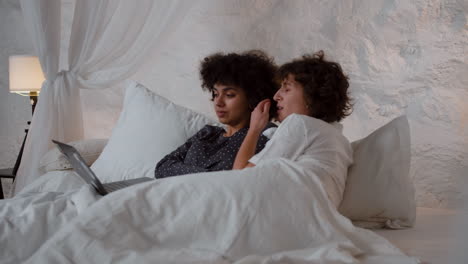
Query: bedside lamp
[(26, 77)]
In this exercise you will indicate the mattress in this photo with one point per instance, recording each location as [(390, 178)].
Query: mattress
[(433, 238)]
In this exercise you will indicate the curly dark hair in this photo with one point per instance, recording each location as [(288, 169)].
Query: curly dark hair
[(253, 71), (325, 86)]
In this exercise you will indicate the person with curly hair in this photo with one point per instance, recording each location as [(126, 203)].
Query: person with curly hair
[(237, 83), (314, 96)]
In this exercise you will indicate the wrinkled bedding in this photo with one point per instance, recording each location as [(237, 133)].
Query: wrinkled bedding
[(31, 217), (272, 213)]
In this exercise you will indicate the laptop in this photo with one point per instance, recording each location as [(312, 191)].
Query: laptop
[(85, 172)]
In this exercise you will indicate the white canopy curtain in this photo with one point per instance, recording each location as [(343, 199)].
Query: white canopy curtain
[(109, 41)]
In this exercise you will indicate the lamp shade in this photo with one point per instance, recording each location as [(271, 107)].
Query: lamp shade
[(25, 74)]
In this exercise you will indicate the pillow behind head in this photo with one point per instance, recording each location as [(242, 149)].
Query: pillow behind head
[(148, 128), (379, 192)]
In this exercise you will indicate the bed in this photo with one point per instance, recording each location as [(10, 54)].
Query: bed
[(241, 216)]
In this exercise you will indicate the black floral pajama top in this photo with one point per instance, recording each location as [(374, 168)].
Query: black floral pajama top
[(207, 150)]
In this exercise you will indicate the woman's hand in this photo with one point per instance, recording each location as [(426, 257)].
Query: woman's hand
[(258, 120), (260, 116)]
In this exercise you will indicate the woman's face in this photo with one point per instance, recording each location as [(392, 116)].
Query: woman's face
[(231, 105), (290, 99)]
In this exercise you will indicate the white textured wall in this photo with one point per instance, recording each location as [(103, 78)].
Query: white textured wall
[(15, 110), (402, 57)]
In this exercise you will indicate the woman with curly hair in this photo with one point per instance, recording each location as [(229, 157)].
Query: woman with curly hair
[(312, 99), (237, 83)]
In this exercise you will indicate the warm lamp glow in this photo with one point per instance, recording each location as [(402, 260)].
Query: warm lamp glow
[(25, 74)]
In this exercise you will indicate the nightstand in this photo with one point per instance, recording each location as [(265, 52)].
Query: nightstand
[(8, 174)]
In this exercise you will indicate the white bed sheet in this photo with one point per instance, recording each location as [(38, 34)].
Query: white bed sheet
[(222, 217), (433, 237)]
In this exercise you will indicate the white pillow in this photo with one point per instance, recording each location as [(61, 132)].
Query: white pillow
[(89, 149), (148, 128), (379, 192)]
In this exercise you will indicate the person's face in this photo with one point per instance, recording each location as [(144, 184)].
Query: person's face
[(231, 105), (290, 99)]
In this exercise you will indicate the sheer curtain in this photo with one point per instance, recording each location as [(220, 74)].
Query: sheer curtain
[(109, 41)]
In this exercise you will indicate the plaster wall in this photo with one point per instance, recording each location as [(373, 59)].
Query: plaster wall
[(15, 110), (402, 57)]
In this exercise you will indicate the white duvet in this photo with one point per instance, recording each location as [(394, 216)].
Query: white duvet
[(272, 213)]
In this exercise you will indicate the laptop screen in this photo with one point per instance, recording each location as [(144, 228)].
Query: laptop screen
[(80, 166)]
